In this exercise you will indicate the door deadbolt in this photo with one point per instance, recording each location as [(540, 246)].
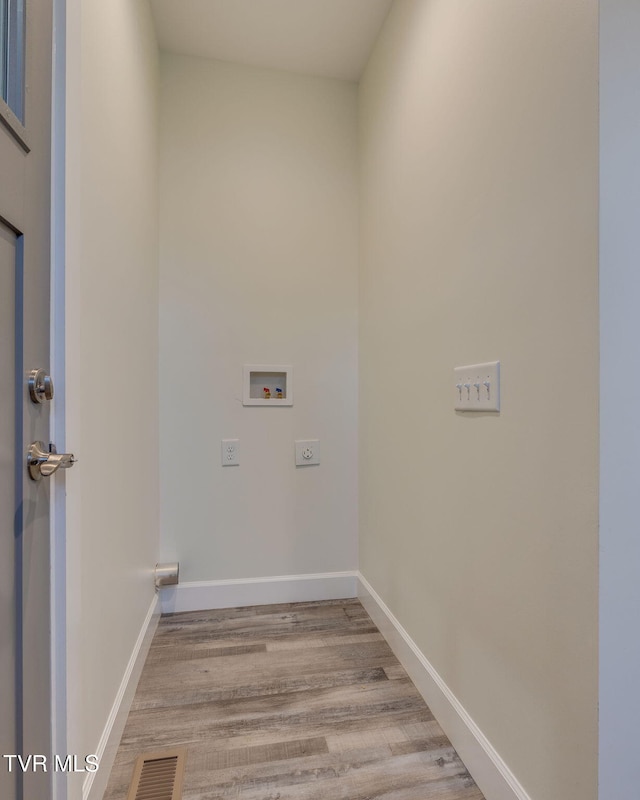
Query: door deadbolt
[(43, 463), (40, 386)]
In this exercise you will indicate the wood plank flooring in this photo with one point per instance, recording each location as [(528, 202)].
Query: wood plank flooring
[(303, 701)]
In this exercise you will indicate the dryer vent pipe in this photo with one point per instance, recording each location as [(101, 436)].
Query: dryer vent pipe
[(167, 574)]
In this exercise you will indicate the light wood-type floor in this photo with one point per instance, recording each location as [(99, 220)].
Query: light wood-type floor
[(287, 702)]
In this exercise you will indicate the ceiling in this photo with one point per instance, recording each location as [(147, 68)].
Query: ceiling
[(332, 38)]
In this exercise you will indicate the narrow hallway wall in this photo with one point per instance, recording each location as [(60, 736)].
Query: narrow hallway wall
[(258, 265), (111, 352), (479, 191)]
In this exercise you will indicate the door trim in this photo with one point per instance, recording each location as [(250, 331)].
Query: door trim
[(14, 126), (58, 541)]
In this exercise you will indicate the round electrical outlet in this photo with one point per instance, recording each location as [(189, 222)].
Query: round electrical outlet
[(307, 453)]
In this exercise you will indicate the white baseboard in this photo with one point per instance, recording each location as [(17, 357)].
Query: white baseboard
[(487, 768), (201, 595), (95, 783)]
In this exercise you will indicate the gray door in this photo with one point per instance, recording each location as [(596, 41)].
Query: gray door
[(25, 143)]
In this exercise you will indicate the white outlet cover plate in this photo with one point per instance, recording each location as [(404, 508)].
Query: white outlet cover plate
[(477, 387), (307, 452), (230, 452)]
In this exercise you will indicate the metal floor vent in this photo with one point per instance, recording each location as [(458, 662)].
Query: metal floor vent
[(158, 776)]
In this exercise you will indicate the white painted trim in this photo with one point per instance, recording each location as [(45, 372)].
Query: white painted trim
[(201, 595), (488, 769), (58, 525), (95, 783)]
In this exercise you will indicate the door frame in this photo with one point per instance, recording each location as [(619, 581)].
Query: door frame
[(64, 730), (66, 620)]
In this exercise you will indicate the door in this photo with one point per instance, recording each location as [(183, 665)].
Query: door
[(25, 144)]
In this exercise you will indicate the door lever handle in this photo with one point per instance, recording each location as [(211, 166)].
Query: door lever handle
[(42, 463)]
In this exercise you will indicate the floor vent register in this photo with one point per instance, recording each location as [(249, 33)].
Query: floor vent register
[(158, 776)]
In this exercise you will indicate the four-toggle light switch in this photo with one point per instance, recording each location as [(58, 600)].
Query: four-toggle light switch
[(477, 387)]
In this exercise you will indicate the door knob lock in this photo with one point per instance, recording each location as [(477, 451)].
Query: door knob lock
[(40, 386), (43, 463)]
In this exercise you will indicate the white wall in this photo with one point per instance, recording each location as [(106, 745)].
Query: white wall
[(620, 385), (258, 265), (111, 349), (479, 192)]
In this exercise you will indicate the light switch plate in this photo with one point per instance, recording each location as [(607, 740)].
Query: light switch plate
[(477, 387)]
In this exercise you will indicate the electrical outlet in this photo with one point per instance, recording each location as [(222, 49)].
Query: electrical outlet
[(230, 452), (307, 452)]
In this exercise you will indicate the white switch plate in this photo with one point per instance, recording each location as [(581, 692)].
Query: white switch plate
[(477, 387), (307, 452), (230, 451)]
